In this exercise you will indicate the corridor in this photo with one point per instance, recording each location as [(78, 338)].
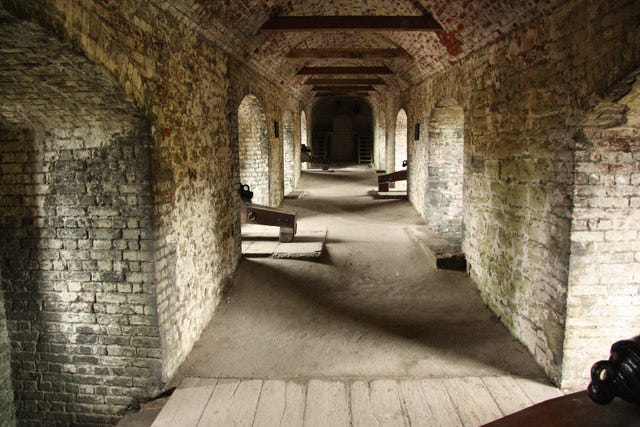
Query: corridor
[(369, 320), (127, 127)]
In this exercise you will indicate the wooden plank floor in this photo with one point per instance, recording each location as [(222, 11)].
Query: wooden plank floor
[(468, 401)]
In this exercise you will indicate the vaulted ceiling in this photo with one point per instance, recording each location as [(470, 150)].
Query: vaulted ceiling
[(467, 25)]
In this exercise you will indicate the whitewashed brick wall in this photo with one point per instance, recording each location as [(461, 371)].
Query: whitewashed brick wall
[(603, 304)]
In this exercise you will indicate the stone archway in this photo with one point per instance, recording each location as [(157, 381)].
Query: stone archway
[(444, 192), (288, 152), (400, 140), (253, 148), (400, 152), (380, 148)]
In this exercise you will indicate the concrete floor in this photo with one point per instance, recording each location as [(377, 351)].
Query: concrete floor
[(370, 307)]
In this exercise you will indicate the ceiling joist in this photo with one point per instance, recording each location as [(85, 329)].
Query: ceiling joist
[(352, 23), (347, 93), (342, 88), (364, 81), (349, 53), (307, 71)]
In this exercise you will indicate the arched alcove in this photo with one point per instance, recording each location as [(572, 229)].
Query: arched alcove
[(380, 142), (445, 149), (253, 148), (400, 140), (400, 146), (288, 154)]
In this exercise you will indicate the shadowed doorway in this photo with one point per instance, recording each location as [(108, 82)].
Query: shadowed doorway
[(342, 130)]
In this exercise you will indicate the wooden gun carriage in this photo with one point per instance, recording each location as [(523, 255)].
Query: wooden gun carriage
[(251, 213)]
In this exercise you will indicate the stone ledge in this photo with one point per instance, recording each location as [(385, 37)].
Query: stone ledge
[(442, 255), (262, 241), (317, 170), (388, 194)]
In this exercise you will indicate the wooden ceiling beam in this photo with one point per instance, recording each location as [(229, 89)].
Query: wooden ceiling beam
[(307, 71), (364, 81), (349, 53), (352, 23), (342, 88), (319, 94)]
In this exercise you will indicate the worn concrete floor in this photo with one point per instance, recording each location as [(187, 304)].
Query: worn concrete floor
[(370, 307)]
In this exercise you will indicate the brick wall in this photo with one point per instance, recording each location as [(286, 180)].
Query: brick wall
[(179, 79), (243, 82), (197, 229), (417, 157), (75, 215), (253, 148), (444, 181), (380, 136), (7, 409), (391, 108), (400, 152), (297, 141), (305, 136), (523, 98), (288, 147), (604, 281)]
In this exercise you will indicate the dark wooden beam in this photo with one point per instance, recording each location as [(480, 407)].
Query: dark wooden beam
[(306, 71), (384, 180), (351, 23), (365, 81), (349, 53), (342, 88), (319, 94)]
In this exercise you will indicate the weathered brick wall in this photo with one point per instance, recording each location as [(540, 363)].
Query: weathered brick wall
[(305, 137), (604, 280), (305, 134), (253, 148), (75, 216), (391, 109), (380, 136), (288, 147), (7, 408), (523, 98), (400, 152), (178, 78), (297, 142), (418, 160), (244, 82), (444, 181), (197, 234)]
